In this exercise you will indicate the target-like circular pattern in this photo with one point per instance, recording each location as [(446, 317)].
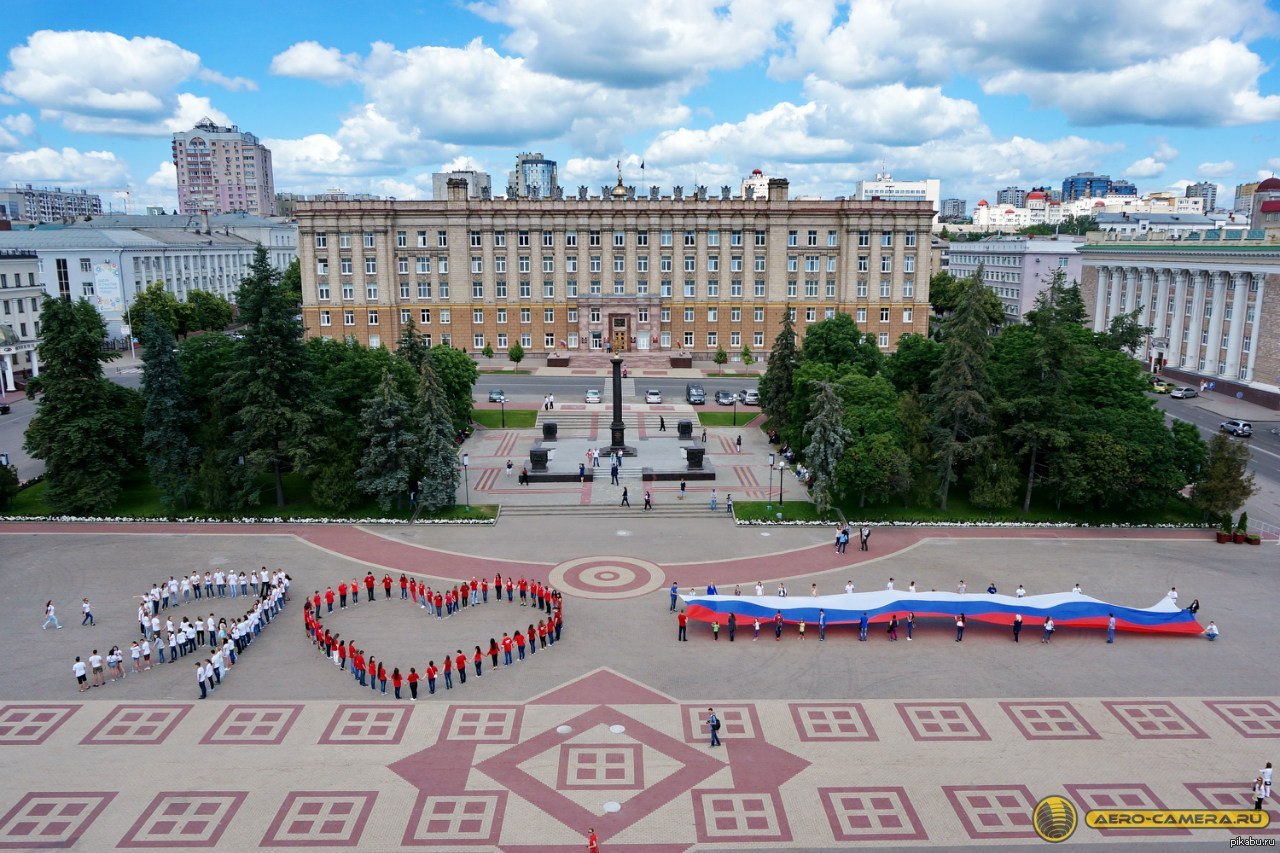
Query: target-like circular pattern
[(607, 577)]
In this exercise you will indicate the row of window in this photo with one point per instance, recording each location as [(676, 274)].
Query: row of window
[(813, 289), (17, 279), (595, 264), (1243, 373), (666, 237)]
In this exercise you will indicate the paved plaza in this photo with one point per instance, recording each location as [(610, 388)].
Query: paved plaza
[(930, 743)]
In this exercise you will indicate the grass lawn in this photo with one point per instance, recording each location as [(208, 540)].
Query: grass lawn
[(724, 419), (509, 371), (730, 374), (516, 418), (768, 511), (140, 499)]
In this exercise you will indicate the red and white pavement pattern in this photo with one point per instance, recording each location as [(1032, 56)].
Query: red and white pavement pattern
[(607, 752)]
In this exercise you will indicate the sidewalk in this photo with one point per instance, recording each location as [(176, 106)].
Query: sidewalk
[(1229, 407)]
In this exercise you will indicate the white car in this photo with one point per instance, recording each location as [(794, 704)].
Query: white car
[(653, 395), (593, 395), (1184, 393)]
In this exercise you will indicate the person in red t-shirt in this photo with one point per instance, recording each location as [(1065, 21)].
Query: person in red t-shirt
[(315, 602), (479, 662), (460, 663), (439, 605), (506, 649), (369, 581), (475, 591), (386, 586), (431, 677), (497, 585), (520, 644), (357, 666), (342, 655), (484, 590), (682, 621), (559, 623), (524, 592), (413, 684), (542, 633), (510, 591), (532, 634), (404, 587), (328, 599), (413, 589), (448, 672), (593, 843), (396, 680), (342, 594), (382, 676)]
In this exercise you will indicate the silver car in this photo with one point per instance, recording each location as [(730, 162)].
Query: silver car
[(593, 395), (653, 395), (1184, 393), (750, 397)]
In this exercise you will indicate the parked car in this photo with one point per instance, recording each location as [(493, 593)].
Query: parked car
[(653, 395), (496, 395), (1238, 428), (694, 395), (726, 398), (750, 397), (593, 395), (1184, 393), (1161, 387)]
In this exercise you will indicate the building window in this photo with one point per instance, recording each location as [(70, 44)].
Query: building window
[(793, 264), (348, 318), (502, 340), (688, 339), (322, 241), (861, 316), (548, 290), (502, 316), (862, 289), (642, 239), (371, 292), (593, 238), (759, 288), (348, 291), (689, 290), (571, 263), (735, 238), (373, 318), (424, 266), (446, 316), (344, 241), (642, 286), (759, 238), (811, 238), (619, 287), (831, 238), (500, 239), (477, 340), (571, 289), (665, 315), (548, 240), (886, 263), (325, 319), (810, 314), (524, 264), (712, 315), (642, 263), (713, 238), (864, 238), (548, 340), (712, 339), (758, 314), (883, 340), (402, 266), (571, 239), (500, 289), (371, 266), (594, 287), (1246, 343), (322, 291), (906, 315), (757, 340), (643, 315), (404, 290), (910, 237), (713, 289), (793, 239), (886, 238), (344, 266), (619, 238), (593, 316), (792, 288), (884, 315), (442, 239), (422, 239), (525, 290), (688, 315), (909, 263)]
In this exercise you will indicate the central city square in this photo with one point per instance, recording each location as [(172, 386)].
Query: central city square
[(826, 744)]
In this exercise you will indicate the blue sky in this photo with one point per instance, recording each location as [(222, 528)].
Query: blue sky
[(374, 97)]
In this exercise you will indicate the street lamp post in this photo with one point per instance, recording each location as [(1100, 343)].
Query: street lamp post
[(503, 403), (769, 494), (735, 411), (781, 477), (466, 458)]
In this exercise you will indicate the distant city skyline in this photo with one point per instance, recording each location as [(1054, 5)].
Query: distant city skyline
[(700, 92)]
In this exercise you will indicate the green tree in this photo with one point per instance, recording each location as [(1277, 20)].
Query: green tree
[(487, 352), (154, 300), (1189, 450), (439, 467), (923, 482), (960, 402), (204, 361), (946, 291), (170, 419), (208, 312), (291, 283), (269, 386), (1225, 480), (412, 346), (457, 373), (86, 427), (1126, 332), (8, 485), (392, 445), (828, 440), (875, 466), (776, 384), (911, 366), (748, 358), (837, 341), (516, 354), (721, 358)]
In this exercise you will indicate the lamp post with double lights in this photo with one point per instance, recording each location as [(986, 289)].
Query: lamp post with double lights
[(466, 459), (769, 494)]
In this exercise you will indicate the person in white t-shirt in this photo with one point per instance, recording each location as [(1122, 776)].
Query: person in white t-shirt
[(1020, 591), (95, 667), (204, 692), (911, 588), (848, 586), (78, 669), (1173, 594), (889, 585), (1076, 589)]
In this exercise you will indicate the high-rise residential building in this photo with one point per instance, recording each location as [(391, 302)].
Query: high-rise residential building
[(41, 204), (951, 209), (1089, 185), (578, 274), (222, 170), (885, 188), (479, 184), (1017, 269), (756, 185), (1012, 196), (1206, 190), (1244, 197), (533, 177)]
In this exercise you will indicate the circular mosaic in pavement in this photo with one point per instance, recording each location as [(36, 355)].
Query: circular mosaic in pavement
[(607, 577)]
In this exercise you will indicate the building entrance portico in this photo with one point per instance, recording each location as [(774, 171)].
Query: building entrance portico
[(619, 338), (623, 323)]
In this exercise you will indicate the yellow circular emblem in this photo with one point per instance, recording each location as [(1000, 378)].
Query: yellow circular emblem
[(1055, 819)]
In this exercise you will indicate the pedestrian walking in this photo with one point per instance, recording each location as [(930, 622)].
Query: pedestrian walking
[(88, 613), (713, 723), (864, 536), (648, 500), (1260, 790), (1048, 630), (80, 671), (682, 488), (593, 843), (1017, 626), (662, 424), (625, 500), (595, 458), (714, 500), (50, 615), (551, 402), (682, 622), (738, 443), (510, 467), (613, 475), (704, 435), (1111, 627)]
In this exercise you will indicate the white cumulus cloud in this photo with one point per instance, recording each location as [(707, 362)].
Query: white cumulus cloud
[(1147, 167), (309, 60), (1215, 170), (67, 167)]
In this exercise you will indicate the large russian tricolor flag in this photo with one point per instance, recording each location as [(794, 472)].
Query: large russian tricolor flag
[(1068, 609)]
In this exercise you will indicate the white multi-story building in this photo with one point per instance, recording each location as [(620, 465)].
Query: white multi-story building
[(41, 204), (885, 188), (1017, 269), (20, 293), (277, 235)]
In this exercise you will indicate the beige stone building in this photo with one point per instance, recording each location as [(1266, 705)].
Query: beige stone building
[(574, 275), (1212, 300)]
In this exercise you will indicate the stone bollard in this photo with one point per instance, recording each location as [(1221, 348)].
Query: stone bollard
[(684, 429), (538, 459), (693, 455), (549, 430)]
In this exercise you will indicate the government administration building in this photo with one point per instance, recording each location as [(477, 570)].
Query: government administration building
[(571, 275)]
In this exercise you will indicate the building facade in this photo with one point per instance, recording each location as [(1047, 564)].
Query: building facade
[(1012, 196), (1089, 185), (222, 170), (1243, 200), (950, 209), (278, 236), (32, 204), (664, 273), (885, 188), (533, 177), (20, 293), (1206, 190), (1017, 269), (479, 184), (1212, 300)]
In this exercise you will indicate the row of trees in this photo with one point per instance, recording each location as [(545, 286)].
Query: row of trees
[(1044, 410), (222, 420)]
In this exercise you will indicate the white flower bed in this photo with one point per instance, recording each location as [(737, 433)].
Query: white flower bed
[(81, 519), (1029, 524)]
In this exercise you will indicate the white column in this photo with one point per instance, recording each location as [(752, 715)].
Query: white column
[(1160, 306), (1213, 351), (35, 363), (1261, 281), (1235, 333), (1100, 299), (1196, 321), (1117, 284), (1146, 277), (1131, 276), (1178, 280), (6, 375)]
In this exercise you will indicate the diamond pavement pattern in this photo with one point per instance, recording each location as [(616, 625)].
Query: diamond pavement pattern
[(30, 725), (993, 811), (941, 721), (1251, 719), (474, 818), (1049, 720), (1131, 795), (184, 818), (367, 724), (253, 725), (731, 815), (320, 819), (51, 821), (832, 721), (871, 814), (137, 724), (486, 724), (1154, 718)]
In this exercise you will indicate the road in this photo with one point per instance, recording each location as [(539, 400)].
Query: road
[(531, 389)]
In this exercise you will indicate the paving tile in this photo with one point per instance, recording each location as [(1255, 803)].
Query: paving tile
[(729, 815), (474, 818), (871, 814), (320, 819), (1122, 795), (47, 820), (1236, 795), (381, 724), (990, 812), (941, 721), (31, 725), (832, 721), (1049, 720), (1154, 718), (147, 724), (254, 725), (1251, 718), (184, 819)]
